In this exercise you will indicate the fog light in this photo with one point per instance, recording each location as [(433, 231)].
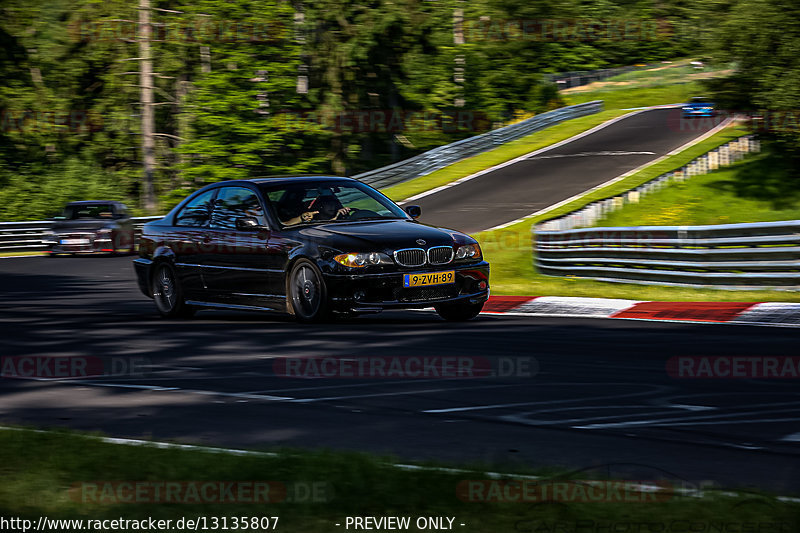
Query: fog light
[(482, 285)]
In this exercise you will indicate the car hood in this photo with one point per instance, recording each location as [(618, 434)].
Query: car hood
[(382, 235), (80, 225), (699, 104)]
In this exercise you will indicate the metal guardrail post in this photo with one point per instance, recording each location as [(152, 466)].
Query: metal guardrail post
[(729, 255), (27, 236)]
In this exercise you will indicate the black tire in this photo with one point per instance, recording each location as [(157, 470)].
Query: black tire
[(167, 293), (459, 312), (306, 294)]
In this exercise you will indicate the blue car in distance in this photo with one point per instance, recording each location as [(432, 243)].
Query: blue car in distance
[(699, 106)]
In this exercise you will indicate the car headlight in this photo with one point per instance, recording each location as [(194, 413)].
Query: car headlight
[(363, 259), (468, 251)]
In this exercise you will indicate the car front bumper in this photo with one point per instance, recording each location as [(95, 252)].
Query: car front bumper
[(79, 243), (690, 114), (365, 293)]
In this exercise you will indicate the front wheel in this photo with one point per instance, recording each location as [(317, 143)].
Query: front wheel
[(459, 312), (307, 294), (168, 294)]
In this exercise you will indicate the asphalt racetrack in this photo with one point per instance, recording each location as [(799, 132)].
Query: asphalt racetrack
[(546, 178), (577, 393)]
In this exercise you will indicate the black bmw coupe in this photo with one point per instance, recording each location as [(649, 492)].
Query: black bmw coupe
[(308, 246)]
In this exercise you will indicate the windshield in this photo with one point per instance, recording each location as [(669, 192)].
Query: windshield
[(87, 211), (699, 100), (310, 202)]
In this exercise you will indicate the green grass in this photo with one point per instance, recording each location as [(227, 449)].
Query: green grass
[(666, 84), (509, 250), (646, 87), (39, 469), (630, 97), (757, 189)]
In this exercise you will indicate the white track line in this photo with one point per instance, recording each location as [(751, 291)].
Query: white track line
[(402, 393), (342, 386), (156, 388), (520, 158), (714, 419), (400, 466), (621, 177), (656, 389)]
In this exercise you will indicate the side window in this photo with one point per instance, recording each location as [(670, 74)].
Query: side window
[(233, 203), (197, 212)]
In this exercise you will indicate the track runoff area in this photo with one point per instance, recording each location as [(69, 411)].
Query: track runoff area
[(83, 349)]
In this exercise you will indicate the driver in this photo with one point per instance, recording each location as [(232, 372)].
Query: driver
[(323, 207)]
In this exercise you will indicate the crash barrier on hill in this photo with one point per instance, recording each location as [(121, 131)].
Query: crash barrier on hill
[(729, 255), (448, 154), (27, 236)]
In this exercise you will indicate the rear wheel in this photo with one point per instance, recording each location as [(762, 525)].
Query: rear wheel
[(459, 312), (307, 294), (168, 294)]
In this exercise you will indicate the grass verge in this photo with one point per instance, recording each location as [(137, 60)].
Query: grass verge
[(631, 97), (648, 87), (499, 155), (68, 476), (760, 188), (509, 250)]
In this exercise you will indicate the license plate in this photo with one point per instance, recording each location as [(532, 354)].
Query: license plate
[(74, 241), (431, 278)]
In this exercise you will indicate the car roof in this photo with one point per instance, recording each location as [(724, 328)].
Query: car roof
[(95, 202), (300, 178)]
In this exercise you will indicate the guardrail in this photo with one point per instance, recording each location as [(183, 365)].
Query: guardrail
[(721, 156), (763, 254), (577, 78), (448, 154), (27, 236), (727, 255)]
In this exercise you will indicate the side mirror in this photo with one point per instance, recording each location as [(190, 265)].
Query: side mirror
[(414, 211), (248, 224)]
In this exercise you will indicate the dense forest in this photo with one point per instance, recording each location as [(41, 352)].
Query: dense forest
[(258, 87)]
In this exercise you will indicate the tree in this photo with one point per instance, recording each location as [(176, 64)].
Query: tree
[(763, 38)]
